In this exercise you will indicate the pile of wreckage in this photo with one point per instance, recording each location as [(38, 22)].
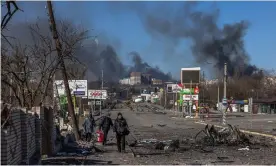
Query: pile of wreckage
[(205, 141), (145, 107), (73, 152), (229, 135)]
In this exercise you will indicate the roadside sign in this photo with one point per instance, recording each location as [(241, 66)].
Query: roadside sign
[(187, 91), (77, 87), (79, 93), (174, 88), (98, 102), (97, 94), (189, 97)]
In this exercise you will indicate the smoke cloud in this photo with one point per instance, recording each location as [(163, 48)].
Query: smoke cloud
[(210, 42), (144, 67), (96, 53)]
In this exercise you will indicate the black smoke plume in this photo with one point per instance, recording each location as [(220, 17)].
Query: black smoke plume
[(144, 67), (96, 54), (210, 42)]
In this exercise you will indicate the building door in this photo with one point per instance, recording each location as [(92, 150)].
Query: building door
[(255, 109)]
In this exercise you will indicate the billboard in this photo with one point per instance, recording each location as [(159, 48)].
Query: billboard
[(97, 94), (174, 88), (77, 87), (189, 75)]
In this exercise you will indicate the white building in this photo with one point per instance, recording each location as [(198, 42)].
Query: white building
[(125, 81), (130, 81), (135, 80)]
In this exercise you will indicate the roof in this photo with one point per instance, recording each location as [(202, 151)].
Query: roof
[(268, 100), (190, 68)]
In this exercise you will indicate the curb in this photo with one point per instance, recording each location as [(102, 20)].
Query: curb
[(245, 131)]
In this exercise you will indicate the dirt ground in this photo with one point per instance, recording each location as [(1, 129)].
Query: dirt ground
[(150, 125), (146, 125)]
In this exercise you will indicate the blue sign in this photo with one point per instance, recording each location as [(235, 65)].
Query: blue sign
[(79, 92)]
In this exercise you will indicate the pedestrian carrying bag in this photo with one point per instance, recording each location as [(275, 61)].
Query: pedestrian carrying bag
[(123, 129)]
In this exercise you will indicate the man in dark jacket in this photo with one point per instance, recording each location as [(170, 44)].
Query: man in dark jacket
[(105, 125), (121, 130)]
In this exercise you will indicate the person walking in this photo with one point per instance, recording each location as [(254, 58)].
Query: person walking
[(88, 126), (92, 120), (121, 129), (105, 125)]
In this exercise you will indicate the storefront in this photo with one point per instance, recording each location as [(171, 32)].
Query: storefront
[(266, 106)]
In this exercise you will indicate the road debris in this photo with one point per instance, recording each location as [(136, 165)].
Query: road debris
[(246, 148), (161, 125), (223, 159), (230, 135), (166, 145)]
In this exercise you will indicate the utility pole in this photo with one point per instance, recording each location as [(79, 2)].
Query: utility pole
[(101, 95), (165, 104), (225, 80), (191, 100), (63, 69), (175, 103), (224, 94), (11, 82), (218, 94), (204, 85)]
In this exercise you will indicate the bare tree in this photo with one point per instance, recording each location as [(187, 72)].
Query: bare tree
[(11, 8), (70, 44), (259, 85), (28, 69)]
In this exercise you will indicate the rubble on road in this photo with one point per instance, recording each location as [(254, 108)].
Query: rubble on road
[(73, 152), (246, 148), (230, 136), (166, 145), (161, 125), (146, 107), (206, 141)]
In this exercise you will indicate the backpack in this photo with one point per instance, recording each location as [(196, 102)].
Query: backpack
[(122, 128)]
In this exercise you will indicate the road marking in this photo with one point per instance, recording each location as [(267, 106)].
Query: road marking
[(245, 131)]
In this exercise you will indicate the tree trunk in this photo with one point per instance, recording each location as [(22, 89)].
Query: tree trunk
[(64, 73)]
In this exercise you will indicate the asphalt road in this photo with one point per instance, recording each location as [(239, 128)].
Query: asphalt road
[(146, 125)]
